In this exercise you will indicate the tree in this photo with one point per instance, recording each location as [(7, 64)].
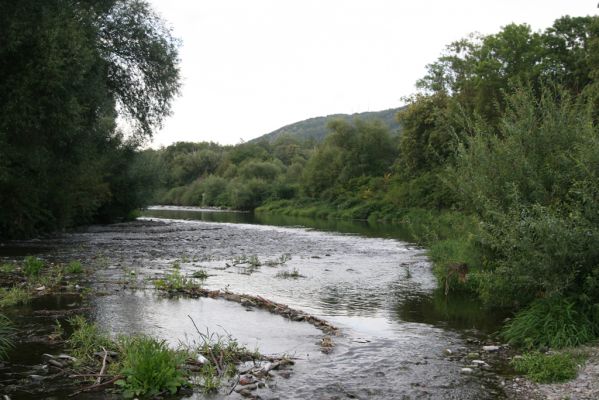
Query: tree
[(67, 71)]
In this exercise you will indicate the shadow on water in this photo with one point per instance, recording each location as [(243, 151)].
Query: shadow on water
[(457, 312)]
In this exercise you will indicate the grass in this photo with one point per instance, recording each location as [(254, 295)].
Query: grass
[(14, 296), (86, 339), (176, 282), (8, 268), (74, 267), (293, 274), (7, 332), (223, 354), (547, 368), (200, 274), (149, 367), (555, 322), (32, 266)]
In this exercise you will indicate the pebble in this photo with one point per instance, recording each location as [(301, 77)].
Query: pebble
[(466, 370), (490, 349)]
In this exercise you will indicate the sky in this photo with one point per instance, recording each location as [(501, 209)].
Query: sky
[(250, 67)]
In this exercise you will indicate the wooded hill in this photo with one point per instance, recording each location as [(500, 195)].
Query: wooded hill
[(316, 128)]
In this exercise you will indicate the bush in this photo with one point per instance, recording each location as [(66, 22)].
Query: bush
[(535, 186), (555, 322), (547, 368), (150, 367)]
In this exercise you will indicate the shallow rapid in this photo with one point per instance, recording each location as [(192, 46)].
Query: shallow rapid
[(394, 327)]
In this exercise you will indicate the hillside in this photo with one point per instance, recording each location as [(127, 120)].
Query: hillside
[(316, 128)]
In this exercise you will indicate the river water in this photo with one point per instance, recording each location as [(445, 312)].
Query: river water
[(395, 326)]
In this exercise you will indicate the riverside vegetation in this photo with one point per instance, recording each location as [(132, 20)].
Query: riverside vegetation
[(495, 171)]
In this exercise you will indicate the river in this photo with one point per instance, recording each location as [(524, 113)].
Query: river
[(395, 326)]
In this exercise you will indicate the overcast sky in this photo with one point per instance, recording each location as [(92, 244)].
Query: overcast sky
[(250, 67)]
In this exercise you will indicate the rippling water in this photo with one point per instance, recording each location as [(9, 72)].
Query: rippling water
[(379, 291)]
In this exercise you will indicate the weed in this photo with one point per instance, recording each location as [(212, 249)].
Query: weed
[(294, 274), (32, 266), (86, 339), (223, 354), (175, 281), (547, 368), (52, 279), (200, 274), (7, 332), (14, 296), (150, 367), (8, 268), (555, 322), (74, 267), (278, 261)]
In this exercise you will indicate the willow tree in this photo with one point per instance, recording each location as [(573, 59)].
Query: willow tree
[(68, 70)]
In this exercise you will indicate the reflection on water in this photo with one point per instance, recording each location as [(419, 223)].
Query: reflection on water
[(363, 228)]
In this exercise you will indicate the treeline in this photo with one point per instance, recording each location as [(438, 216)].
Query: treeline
[(67, 71), (499, 150)]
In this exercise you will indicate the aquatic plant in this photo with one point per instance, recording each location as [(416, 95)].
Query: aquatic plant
[(87, 338), (547, 368), (14, 296), (220, 355), (32, 266), (294, 274), (175, 281), (7, 332), (74, 267), (200, 274), (149, 367), (8, 268)]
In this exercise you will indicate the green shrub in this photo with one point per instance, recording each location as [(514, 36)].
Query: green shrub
[(32, 266), (547, 368), (555, 322), (150, 367)]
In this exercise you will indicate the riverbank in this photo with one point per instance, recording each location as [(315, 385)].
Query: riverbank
[(451, 241)]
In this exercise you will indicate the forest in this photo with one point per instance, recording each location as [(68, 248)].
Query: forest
[(495, 168)]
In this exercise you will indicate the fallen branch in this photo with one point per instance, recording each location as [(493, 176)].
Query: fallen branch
[(96, 386), (99, 380)]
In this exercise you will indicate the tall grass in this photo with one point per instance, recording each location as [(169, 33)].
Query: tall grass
[(555, 322), (7, 332)]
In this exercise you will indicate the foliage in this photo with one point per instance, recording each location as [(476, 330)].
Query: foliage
[(7, 332), (149, 367), (547, 368), (86, 339), (554, 322), (67, 71), (293, 274), (14, 296), (175, 281), (74, 267), (534, 186), (32, 266)]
